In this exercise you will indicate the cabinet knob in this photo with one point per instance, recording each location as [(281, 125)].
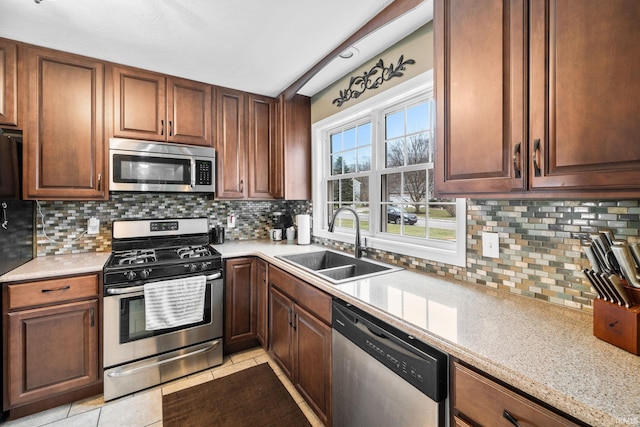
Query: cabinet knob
[(536, 157), (517, 162), (507, 416)]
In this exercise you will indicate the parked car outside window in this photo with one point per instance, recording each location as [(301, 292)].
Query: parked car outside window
[(393, 215)]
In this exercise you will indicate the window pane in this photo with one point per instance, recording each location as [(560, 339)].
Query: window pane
[(336, 142), (364, 134), (361, 189), (364, 159), (336, 164), (418, 148), (414, 221), (394, 125), (395, 153), (418, 118), (442, 221), (333, 191), (349, 139), (391, 187), (346, 190), (350, 161), (415, 186)]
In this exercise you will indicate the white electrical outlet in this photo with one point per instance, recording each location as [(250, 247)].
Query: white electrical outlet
[(490, 245), (231, 221), (93, 225)]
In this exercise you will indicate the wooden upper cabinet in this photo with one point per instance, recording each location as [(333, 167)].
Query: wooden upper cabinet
[(189, 112), (230, 143), (261, 138), (156, 107), (590, 94), (537, 99), (8, 83), (291, 156), (64, 137), (480, 96)]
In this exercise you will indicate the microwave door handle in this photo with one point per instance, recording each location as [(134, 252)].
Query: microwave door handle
[(193, 173)]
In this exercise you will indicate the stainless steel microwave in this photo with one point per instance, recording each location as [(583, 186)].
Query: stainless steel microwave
[(160, 167)]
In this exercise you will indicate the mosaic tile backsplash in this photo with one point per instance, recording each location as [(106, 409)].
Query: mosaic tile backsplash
[(540, 252), (65, 222)]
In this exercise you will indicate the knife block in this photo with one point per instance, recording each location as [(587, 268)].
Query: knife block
[(617, 325)]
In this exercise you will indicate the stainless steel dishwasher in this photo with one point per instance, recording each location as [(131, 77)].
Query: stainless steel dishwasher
[(382, 376)]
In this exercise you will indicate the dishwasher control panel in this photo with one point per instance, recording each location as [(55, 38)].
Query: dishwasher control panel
[(420, 364)]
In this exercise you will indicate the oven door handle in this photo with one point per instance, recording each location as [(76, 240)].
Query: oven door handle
[(129, 290), (126, 372), (214, 276)]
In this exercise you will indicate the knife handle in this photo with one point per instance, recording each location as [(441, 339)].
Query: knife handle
[(627, 265), (635, 253), (615, 281)]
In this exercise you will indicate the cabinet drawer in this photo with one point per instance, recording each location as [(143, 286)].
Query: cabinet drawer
[(314, 300), (52, 291), (484, 402)]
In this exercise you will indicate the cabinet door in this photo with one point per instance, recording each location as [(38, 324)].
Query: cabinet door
[(262, 297), (312, 372), (291, 157), (189, 107), (230, 143), (52, 350), (480, 75), (8, 83), (584, 104), (262, 141), (280, 331), (139, 104), (64, 140), (240, 304)]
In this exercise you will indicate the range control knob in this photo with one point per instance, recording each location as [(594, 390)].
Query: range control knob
[(130, 275), (193, 267), (145, 273)]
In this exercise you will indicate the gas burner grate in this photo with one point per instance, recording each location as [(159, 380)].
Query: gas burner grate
[(137, 257), (193, 252)]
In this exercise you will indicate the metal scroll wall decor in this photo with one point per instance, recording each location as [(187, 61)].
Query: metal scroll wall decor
[(370, 80)]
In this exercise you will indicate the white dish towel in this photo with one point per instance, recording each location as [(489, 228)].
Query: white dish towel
[(176, 302)]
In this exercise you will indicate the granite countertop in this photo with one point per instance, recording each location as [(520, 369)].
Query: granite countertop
[(544, 350)]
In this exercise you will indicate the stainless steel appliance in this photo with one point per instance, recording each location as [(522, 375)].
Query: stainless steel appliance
[(383, 377), (146, 252), (160, 167)]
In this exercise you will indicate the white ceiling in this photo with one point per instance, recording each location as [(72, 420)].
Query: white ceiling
[(259, 46)]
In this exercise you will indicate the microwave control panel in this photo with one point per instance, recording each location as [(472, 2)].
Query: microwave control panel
[(204, 169)]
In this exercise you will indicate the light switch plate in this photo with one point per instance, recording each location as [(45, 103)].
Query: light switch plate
[(490, 245), (93, 226), (231, 221)]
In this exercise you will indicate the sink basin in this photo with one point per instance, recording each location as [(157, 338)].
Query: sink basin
[(337, 267)]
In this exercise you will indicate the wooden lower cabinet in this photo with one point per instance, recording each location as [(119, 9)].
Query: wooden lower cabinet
[(300, 338), (477, 400), (52, 353), (240, 320), (262, 297)]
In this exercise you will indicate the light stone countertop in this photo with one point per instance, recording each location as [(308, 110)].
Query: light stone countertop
[(544, 350)]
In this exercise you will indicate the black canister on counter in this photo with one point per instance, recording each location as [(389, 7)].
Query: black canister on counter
[(216, 235)]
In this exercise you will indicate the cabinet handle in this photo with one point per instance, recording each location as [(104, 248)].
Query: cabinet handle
[(62, 288), (170, 128), (536, 157), (517, 161), (289, 316), (99, 182), (161, 127), (295, 320), (242, 185), (91, 316), (507, 416)]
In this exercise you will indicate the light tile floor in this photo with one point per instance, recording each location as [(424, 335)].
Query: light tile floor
[(145, 407)]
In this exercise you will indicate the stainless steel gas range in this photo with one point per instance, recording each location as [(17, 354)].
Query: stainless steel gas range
[(163, 302)]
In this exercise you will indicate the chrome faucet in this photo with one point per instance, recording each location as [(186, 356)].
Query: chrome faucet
[(359, 249)]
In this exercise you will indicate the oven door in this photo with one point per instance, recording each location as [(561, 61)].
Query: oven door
[(125, 336)]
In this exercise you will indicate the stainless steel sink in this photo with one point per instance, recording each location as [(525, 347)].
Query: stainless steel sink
[(336, 267)]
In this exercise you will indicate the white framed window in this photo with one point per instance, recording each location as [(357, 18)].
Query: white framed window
[(377, 158)]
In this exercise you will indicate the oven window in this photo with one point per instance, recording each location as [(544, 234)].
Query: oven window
[(151, 170), (132, 319)]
